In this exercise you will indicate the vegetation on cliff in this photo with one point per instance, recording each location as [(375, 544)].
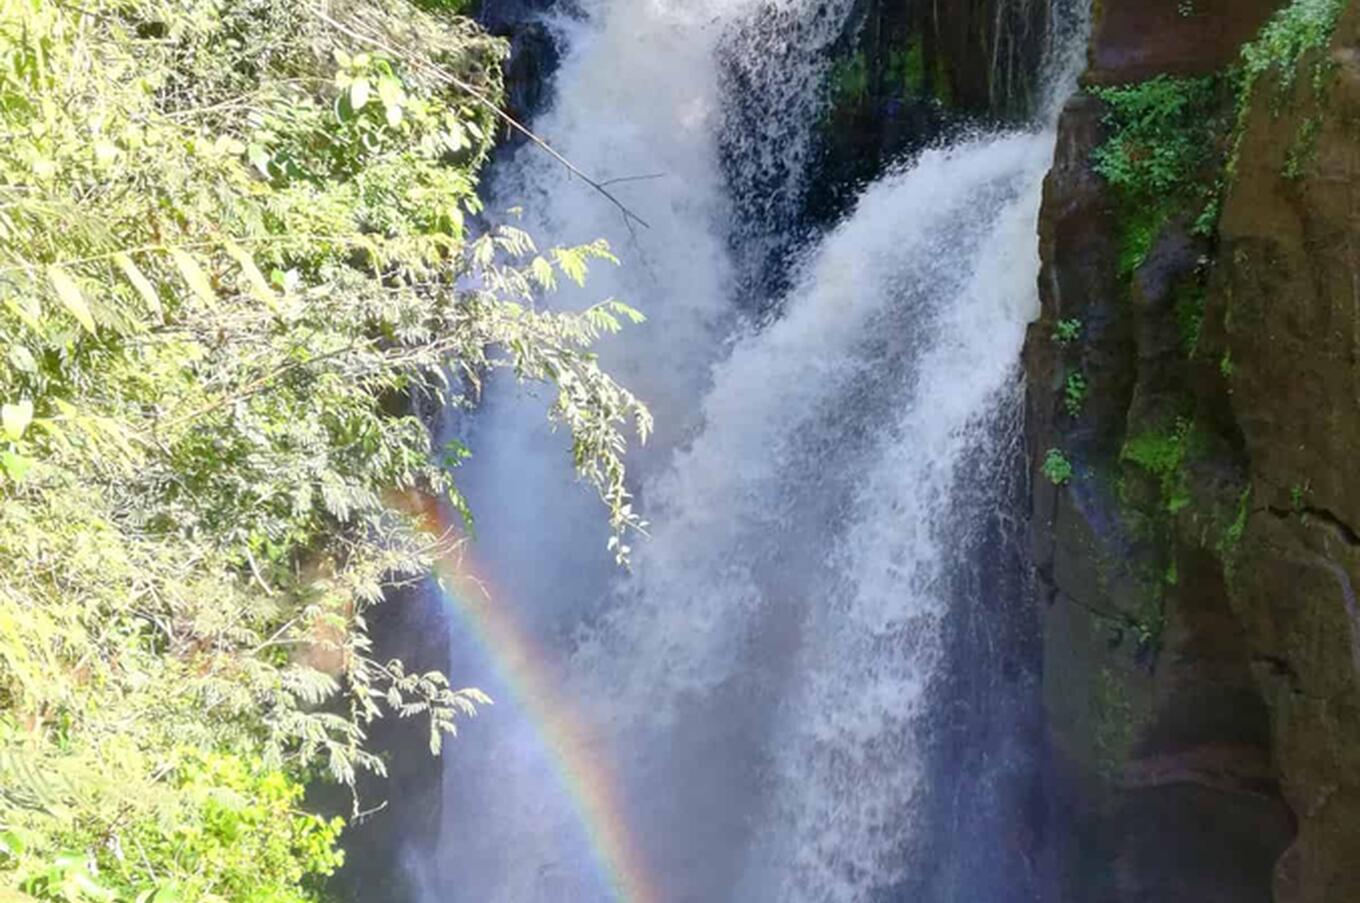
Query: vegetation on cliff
[(235, 246)]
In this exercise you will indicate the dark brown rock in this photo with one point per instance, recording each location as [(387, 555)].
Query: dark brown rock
[(1138, 39)]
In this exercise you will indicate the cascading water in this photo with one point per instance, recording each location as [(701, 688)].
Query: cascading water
[(748, 714)]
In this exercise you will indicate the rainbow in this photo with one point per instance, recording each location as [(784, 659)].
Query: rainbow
[(572, 747)]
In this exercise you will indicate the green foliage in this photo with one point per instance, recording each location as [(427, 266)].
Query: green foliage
[(1300, 29), (1157, 147), (234, 259), (226, 828), (1297, 29), (1162, 157), (1057, 468), (1065, 332), (1074, 394)]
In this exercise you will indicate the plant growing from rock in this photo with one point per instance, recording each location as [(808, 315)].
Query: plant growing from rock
[(1074, 394), (1065, 332), (1057, 468)]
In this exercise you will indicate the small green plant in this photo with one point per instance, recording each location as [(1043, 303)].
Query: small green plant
[(1057, 468), (1074, 394), (1065, 332), (1298, 493), (1232, 535), (1207, 221), (1226, 367)]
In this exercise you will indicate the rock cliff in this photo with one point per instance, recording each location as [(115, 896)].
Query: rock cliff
[(1197, 566)]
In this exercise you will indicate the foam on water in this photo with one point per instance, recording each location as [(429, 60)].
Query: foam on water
[(760, 681)]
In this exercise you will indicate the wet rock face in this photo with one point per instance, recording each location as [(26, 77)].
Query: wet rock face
[(534, 55), (1202, 664), (909, 72), (1133, 41), (1287, 304)]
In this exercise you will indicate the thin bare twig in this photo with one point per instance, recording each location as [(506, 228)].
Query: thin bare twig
[(647, 178)]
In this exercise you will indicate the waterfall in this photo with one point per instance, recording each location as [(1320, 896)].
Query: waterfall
[(751, 706)]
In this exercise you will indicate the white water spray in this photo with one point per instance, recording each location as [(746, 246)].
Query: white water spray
[(762, 677)]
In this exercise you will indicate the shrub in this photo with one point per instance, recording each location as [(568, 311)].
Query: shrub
[(233, 253), (1163, 156)]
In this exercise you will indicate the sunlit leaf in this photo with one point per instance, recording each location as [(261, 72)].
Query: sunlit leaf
[(193, 275), (68, 293), (259, 286), (15, 418), (15, 465), (138, 280), (358, 93)]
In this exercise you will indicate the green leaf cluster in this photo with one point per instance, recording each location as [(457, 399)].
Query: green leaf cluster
[(1058, 468), (237, 259), (1166, 144)]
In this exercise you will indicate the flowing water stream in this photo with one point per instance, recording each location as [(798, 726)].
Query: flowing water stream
[(771, 705)]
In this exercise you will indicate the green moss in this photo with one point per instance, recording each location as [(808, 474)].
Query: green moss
[(1233, 533), (1303, 149), (1163, 455), (1139, 228), (944, 87), (907, 68), (1190, 304), (1115, 723), (849, 80)]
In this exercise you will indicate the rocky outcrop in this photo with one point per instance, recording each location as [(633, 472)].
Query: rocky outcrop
[(1131, 41), (908, 72), (1202, 635), (1286, 309)]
